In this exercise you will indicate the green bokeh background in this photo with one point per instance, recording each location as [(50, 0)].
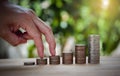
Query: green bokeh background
[(79, 18)]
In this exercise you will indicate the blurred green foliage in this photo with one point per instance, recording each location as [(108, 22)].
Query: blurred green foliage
[(80, 18)]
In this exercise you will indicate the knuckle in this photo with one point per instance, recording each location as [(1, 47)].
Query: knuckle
[(15, 43), (49, 29), (23, 41), (37, 36), (25, 15), (31, 12)]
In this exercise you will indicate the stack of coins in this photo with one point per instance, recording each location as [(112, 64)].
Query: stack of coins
[(54, 60), (42, 61), (93, 49), (67, 58), (80, 54), (29, 63)]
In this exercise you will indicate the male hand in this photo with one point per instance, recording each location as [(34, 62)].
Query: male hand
[(13, 17)]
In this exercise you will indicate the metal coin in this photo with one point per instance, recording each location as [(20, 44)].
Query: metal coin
[(29, 63), (67, 58), (54, 59), (41, 61)]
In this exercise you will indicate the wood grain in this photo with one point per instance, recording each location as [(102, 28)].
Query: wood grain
[(109, 66)]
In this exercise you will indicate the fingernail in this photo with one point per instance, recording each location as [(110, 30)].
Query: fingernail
[(53, 53)]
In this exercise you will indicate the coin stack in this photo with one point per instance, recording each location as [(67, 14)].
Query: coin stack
[(42, 61), (80, 54), (54, 59), (67, 58), (93, 49), (29, 63)]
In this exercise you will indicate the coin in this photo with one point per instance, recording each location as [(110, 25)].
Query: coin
[(54, 59), (80, 54), (29, 63), (93, 49), (42, 61), (80, 60), (80, 47), (67, 58), (93, 43)]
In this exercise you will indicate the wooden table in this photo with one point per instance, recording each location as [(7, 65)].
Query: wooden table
[(109, 66)]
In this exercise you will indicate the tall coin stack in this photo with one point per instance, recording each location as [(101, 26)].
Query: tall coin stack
[(93, 49), (80, 54)]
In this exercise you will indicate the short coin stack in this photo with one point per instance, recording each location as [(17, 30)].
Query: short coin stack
[(93, 49), (80, 54), (54, 59), (67, 58), (42, 61), (29, 63)]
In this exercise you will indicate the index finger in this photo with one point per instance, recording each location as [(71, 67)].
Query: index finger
[(48, 34), (34, 33)]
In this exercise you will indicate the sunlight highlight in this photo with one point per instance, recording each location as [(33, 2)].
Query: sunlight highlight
[(105, 3)]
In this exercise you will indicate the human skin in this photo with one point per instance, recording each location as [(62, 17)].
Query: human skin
[(13, 17)]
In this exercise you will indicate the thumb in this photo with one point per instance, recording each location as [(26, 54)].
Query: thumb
[(13, 39)]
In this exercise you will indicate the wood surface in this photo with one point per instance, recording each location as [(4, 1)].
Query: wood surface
[(109, 66)]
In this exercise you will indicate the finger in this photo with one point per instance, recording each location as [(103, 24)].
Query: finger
[(48, 34), (33, 33), (13, 39), (26, 36), (39, 45)]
